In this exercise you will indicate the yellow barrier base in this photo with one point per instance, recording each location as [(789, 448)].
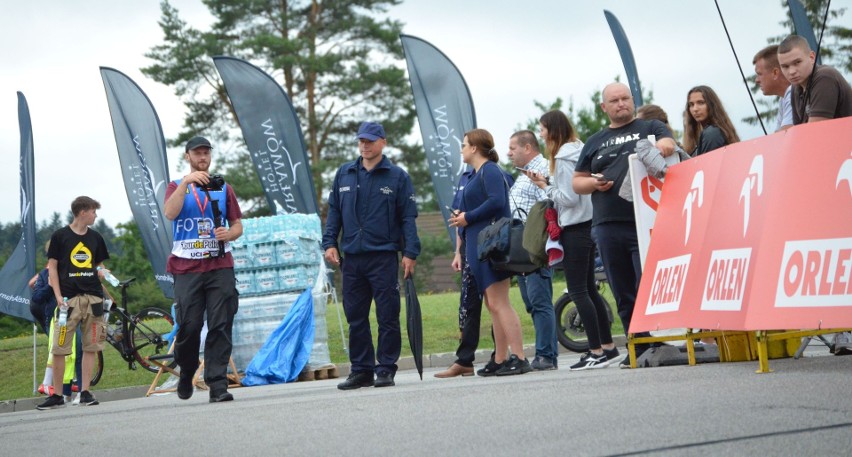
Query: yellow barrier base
[(764, 339), (736, 346)]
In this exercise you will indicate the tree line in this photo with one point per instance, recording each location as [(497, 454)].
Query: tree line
[(127, 259)]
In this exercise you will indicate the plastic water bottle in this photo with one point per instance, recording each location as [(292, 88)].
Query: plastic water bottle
[(107, 307), (109, 277), (63, 312)]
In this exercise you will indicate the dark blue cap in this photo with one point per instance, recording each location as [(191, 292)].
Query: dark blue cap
[(371, 131)]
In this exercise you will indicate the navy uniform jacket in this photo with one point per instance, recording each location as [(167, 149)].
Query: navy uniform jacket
[(388, 215)]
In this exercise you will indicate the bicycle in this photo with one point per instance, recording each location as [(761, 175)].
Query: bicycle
[(570, 330), (136, 336)]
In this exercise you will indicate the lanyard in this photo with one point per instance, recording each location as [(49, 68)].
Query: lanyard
[(198, 200)]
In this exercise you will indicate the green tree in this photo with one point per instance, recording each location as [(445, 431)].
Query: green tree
[(337, 60), (835, 50)]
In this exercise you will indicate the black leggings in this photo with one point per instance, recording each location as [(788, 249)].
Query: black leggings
[(579, 267)]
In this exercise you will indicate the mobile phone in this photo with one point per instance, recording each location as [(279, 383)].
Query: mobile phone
[(523, 170), (599, 177), (452, 211)]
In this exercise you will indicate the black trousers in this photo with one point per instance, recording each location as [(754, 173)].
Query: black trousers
[(215, 293), (470, 316), (579, 267), (619, 248)]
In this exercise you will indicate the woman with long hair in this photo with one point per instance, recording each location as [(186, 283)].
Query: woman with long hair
[(485, 199), (575, 218), (706, 125)]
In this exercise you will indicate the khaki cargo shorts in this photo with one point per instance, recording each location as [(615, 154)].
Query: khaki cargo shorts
[(87, 311)]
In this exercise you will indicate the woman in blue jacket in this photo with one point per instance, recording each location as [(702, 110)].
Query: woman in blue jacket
[(484, 200)]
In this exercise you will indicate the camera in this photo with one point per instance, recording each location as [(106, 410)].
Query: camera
[(216, 182)]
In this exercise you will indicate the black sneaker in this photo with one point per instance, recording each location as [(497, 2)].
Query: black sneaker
[(384, 380), (490, 369), (54, 401), (611, 354), (87, 399), (542, 364), (357, 380), (625, 363), (221, 396), (514, 365), (184, 387), (590, 361)]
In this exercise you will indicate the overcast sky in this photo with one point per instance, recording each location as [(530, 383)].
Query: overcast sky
[(510, 53)]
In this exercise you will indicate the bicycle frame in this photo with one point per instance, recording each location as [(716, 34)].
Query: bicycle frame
[(121, 344), (122, 334), (121, 340)]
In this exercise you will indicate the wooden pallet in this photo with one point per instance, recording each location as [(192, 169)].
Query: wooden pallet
[(329, 372)]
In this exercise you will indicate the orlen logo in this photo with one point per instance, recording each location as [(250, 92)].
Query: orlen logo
[(815, 273), (651, 188), (845, 174), (753, 184), (726, 280), (694, 197), (668, 286)]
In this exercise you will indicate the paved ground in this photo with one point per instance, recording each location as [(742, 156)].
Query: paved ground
[(803, 408)]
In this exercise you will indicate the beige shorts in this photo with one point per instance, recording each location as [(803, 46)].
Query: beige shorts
[(82, 309)]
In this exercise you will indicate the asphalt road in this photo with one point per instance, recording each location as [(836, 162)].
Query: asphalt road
[(803, 408)]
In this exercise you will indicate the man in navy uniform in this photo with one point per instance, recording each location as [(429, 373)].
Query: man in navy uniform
[(372, 201)]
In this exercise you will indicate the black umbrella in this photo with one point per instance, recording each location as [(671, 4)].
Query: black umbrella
[(414, 323)]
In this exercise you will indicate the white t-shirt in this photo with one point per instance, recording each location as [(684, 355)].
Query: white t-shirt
[(785, 109)]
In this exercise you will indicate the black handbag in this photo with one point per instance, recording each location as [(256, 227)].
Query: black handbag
[(493, 241), (515, 259), (502, 244)]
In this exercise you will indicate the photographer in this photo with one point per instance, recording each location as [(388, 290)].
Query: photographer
[(205, 217)]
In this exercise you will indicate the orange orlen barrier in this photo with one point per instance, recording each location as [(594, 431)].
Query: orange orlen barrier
[(755, 236)]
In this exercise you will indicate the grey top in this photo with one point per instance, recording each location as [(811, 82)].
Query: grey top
[(572, 207)]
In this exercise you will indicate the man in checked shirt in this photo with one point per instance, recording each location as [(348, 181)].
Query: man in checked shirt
[(536, 287)]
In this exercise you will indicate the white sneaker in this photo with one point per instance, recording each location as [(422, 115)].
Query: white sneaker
[(76, 401)]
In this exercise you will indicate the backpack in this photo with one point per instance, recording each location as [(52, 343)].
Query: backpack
[(535, 233), (42, 300)]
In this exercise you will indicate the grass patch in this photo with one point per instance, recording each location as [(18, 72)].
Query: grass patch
[(16, 368), (440, 334)]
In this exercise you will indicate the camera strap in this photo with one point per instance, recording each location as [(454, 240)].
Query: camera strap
[(198, 200)]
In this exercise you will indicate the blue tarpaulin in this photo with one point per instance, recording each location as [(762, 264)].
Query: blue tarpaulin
[(288, 348)]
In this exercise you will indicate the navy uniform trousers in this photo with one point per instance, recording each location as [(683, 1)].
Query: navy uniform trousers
[(368, 277)]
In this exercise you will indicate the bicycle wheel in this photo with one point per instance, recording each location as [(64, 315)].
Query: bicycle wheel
[(146, 336), (570, 332), (98, 370)]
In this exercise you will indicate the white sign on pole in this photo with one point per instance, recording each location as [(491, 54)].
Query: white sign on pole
[(646, 196)]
